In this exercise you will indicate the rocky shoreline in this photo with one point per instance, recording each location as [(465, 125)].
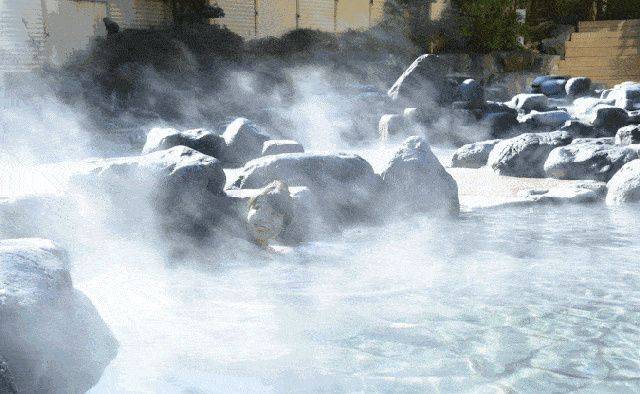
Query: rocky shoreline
[(198, 190)]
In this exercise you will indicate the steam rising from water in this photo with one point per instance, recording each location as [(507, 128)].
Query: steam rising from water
[(524, 300)]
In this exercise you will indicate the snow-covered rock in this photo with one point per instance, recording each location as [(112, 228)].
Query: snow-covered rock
[(589, 161), (628, 135), (578, 86), (51, 336), (345, 184), (624, 186), (525, 155), (473, 155), (244, 142), (277, 147), (203, 141), (415, 181), (527, 102)]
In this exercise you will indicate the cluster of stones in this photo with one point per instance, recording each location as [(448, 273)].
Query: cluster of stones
[(53, 339), (594, 137)]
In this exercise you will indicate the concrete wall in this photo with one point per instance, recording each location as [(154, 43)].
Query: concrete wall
[(263, 18), (70, 26)]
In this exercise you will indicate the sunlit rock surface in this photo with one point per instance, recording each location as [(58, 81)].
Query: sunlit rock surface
[(473, 155), (202, 140), (526, 154), (589, 160), (624, 186), (244, 142), (345, 184), (51, 336), (415, 181)]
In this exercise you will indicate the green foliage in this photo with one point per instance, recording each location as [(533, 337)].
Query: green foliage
[(489, 25), (622, 9)]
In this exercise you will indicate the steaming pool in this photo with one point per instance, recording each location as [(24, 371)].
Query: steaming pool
[(538, 299)]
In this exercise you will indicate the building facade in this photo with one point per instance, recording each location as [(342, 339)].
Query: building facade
[(35, 32)]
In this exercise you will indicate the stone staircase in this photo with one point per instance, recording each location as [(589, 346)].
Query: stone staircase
[(608, 52)]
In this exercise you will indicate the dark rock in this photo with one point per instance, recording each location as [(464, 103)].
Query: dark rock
[(549, 85), (52, 338), (628, 135), (624, 186), (555, 44), (578, 128), (577, 87), (415, 181), (609, 118), (525, 155), (201, 140), (277, 147), (589, 161), (472, 92), (500, 124), (473, 155), (423, 81), (7, 386)]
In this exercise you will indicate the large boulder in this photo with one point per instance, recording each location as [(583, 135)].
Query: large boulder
[(525, 155), (628, 135), (164, 173), (415, 181), (579, 86), (625, 95), (51, 336), (244, 142), (555, 44), (549, 85), (175, 191), (201, 140), (421, 83), (277, 147), (345, 184), (589, 161), (473, 155), (608, 118), (624, 186), (552, 119)]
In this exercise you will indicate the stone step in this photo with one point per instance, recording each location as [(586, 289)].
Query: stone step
[(633, 33), (600, 74), (603, 42), (600, 52), (611, 25), (606, 62)]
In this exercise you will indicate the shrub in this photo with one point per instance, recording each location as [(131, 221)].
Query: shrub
[(489, 25)]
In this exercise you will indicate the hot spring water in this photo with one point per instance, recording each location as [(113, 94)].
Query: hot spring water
[(539, 299)]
